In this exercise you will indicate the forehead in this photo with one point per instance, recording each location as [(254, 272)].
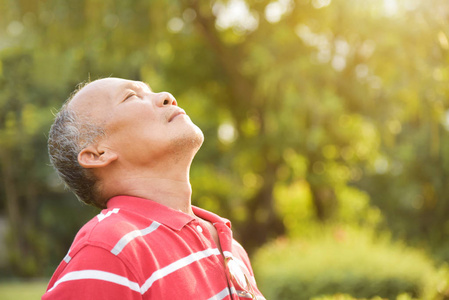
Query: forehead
[(105, 91), (108, 86), (130, 84)]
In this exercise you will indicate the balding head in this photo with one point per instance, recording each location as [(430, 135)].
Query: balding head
[(69, 134), (94, 98)]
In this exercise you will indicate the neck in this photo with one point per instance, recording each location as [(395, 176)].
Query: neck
[(173, 193), (170, 188)]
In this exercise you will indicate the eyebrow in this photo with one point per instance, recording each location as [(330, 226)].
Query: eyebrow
[(136, 84), (146, 85)]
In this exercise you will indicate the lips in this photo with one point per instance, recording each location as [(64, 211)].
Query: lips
[(175, 114)]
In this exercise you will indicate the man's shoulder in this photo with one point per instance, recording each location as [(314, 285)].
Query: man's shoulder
[(110, 226)]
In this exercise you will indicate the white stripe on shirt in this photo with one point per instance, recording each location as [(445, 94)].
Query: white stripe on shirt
[(221, 295), (99, 275), (181, 263), (159, 274), (102, 216), (127, 238), (67, 258)]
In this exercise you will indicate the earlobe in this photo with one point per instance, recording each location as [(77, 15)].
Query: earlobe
[(92, 157)]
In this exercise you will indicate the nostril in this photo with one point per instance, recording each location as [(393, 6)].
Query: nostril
[(166, 99)]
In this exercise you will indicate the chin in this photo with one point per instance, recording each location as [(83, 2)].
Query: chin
[(198, 138), (188, 143)]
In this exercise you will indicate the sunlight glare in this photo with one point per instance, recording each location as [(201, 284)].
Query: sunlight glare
[(227, 133), (444, 42), (275, 10), (236, 14), (15, 28), (175, 25), (320, 3), (391, 7), (445, 120)]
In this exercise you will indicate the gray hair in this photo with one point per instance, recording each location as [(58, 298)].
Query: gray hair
[(69, 134)]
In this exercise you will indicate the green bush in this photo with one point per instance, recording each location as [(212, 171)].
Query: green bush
[(21, 290), (344, 262), (348, 297), (438, 288)]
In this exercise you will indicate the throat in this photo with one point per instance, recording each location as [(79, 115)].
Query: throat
[(173, 193)]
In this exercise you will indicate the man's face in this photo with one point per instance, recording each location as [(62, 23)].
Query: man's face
[(141, 126)]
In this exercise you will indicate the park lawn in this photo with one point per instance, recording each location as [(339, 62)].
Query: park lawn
[(26, 290)]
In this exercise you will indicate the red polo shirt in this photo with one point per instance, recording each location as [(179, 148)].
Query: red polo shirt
[(139, 249)]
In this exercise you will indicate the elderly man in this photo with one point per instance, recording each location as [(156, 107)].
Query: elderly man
[(121, 147)]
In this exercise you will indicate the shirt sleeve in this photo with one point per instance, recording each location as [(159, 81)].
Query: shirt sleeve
[(93, 274)]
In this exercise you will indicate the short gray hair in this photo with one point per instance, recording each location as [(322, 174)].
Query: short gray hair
[(69, 134)]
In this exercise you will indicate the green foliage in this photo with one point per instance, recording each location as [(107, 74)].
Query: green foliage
[(438, 288), (294, 202), (30, 290), (348, 297), (341, 261), (331, 112)]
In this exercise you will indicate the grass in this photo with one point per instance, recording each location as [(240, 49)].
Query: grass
[(29, 290)]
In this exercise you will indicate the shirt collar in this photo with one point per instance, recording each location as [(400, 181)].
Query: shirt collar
[(209, 216), (160, 213)]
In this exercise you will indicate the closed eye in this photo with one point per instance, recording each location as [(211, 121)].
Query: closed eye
[(130, 95)]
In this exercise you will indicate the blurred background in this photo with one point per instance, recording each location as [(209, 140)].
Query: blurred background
[(326, 126)]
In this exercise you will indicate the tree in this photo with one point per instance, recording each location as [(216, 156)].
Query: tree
[(299, 101)]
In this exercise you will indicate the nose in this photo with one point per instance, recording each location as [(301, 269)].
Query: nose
[(165, 99)]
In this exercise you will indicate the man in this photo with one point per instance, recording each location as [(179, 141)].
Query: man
[(119, 146)]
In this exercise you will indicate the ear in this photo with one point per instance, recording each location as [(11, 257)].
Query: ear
[(93, 157)]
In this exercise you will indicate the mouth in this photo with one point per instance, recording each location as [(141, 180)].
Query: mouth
[(175, 114)]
